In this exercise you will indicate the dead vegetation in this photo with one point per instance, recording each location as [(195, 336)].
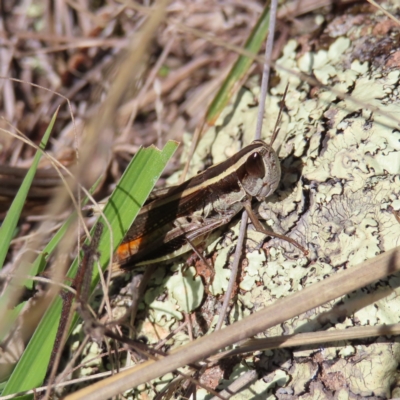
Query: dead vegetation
[(72, 56)]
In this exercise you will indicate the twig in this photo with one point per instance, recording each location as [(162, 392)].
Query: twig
[(387, 13), (267, 68), (239, 384), (235, 267), (243, 224), (81, 284), (309, 339), (137, 297)]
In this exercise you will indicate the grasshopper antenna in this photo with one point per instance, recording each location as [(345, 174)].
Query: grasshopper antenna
[(279, 119)]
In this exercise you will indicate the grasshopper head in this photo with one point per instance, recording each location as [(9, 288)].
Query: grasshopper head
[(263, 171)]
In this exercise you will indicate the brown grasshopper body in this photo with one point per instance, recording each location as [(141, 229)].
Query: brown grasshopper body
[(171, 224)]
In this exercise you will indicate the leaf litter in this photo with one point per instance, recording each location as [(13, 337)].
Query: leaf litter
[(348, 156)]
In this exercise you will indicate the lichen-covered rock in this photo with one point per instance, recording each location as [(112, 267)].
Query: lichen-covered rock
[(340, 151), (339, 143)]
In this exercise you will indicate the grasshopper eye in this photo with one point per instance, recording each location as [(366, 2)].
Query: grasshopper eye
[(255, 166)]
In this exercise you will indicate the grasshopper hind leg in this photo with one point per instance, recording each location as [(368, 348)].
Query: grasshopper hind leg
[(260, 228)]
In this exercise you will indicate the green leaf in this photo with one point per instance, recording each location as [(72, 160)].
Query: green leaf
[(9, 225), (121, 210), (240, 68), (11, 220)]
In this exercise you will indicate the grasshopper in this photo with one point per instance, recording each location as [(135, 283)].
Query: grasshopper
[(183, 215)]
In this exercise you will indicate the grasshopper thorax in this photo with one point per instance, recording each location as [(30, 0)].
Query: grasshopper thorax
[(263, 171)]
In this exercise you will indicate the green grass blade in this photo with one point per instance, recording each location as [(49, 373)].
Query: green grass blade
[(39, 265), (11, 220), (122, 208), (9, 225), (240, 68)]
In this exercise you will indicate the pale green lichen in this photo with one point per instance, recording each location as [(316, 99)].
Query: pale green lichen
[(363, 377), (164, 311), (301, 373), (396, 204), (221, 277), (256, 260), (347, 151), (187, 289), (350, 158)]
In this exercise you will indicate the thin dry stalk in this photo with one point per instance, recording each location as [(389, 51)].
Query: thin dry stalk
[(311, 339), (257, 135)]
